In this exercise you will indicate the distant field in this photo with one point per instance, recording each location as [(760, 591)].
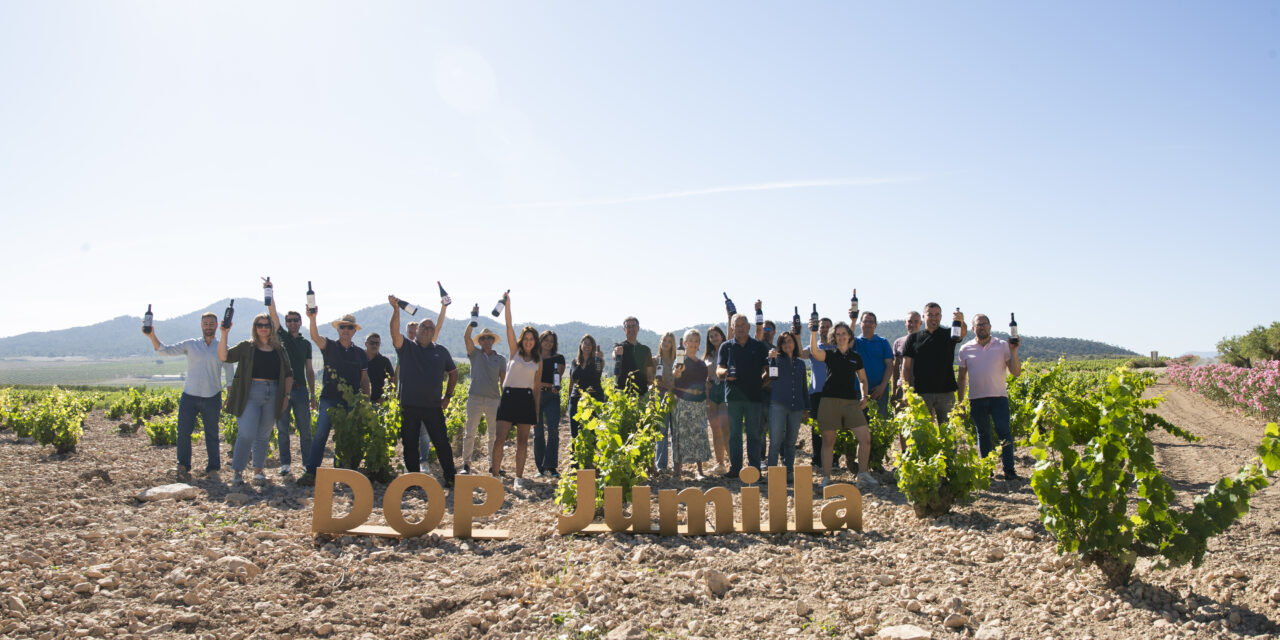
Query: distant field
[(125, 371)]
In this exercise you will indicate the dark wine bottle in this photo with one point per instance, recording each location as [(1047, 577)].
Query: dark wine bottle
[(311, 297), (955, 328), (795, 323), (475, 315), (268, 292), (498, 308), (408, 307), (1013, 331), (853, 306), (813, 318), (773, 368), (728, 304), (661, 369), (231, 311), (147, 319), (759, 315), (444, 297)]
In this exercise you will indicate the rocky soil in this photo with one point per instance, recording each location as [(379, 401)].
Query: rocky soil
[(83, 557)]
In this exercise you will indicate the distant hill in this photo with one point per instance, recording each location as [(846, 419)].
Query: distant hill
[(122, 337)]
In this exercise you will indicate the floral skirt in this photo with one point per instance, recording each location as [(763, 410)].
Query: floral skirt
[(691, 431)]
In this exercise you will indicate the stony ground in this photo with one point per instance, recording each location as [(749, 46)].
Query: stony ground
[(82, 557)]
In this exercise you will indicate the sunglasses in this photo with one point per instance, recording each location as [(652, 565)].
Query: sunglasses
[(373, 343), (262, 325), (347, 327)]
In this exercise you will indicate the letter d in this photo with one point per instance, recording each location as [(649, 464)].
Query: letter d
[(322, 520)]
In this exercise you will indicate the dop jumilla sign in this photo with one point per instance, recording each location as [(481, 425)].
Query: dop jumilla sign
[(842, 511)]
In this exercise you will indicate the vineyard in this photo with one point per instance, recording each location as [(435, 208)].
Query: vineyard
[(1108, 505)]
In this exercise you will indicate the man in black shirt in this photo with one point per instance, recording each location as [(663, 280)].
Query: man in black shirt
[(424, 368), (633, 362), (927, 361), (741, 363), (380, 369)]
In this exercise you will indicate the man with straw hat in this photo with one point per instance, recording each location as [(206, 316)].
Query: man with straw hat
[(488, 368), (345, 363)]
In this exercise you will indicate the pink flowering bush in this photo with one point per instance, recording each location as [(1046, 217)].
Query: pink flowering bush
[(1254, 390)]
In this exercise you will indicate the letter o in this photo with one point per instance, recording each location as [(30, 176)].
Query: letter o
[(395, 492)]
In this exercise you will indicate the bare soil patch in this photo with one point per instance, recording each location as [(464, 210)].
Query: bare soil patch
[(82, 557)]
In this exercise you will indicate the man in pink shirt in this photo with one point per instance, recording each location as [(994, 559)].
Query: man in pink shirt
[(985, 362)]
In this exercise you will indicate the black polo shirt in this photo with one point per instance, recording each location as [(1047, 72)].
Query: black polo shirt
[(932, 355), (380, 370), (342, 364), (750, 360)]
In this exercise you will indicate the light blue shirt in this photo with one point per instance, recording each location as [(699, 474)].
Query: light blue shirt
[(818, 370), (874, 352), (203, 366)]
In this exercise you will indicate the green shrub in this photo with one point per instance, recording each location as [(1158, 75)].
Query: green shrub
[(1093, 453), (55, 418), (941, 466), (360, 435), (617, 438)]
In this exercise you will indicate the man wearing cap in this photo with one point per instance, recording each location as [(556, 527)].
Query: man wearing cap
[(345, 363), (488, 369), (201, 393), (424, 366)]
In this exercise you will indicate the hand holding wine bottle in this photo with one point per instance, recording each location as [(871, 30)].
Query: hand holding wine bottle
[(957, 320), (445, 300), (813, 319), (475, 315), (268, 291), (226, 317), (759, 314), (147, 320), (853, 306)]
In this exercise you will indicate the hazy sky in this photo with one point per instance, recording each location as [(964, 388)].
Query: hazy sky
[(1105, 170)]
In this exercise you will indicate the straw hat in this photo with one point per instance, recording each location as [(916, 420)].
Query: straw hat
[(486, 333), (347, 319)]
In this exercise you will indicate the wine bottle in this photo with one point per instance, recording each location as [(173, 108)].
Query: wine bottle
[(853, 306), (311, 297), (408, 307), (728, 304), (475, 315), (556, 380), (660, 368), (759, 316), (147, 320), (444, 297), (680, 355), (813, 318), (1013, 330), (955, 328), (773, 368), (231, 311), (268, 291), (618, 360), (497, 308), (795, 323)]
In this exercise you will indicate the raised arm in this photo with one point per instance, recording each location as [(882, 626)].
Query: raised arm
[(813, 351), (222, 344), (466, 339), (275, 317), (511, 332), (397, 340), (315, 333), (440, 322)]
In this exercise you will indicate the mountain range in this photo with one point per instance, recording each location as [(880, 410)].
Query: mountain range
[(122, 337)]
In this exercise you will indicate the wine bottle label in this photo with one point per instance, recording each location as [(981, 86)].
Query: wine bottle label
[(773, 371), (1013, 331), (556, 377)]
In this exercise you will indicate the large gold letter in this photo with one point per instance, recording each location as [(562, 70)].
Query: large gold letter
[(804, 498), (639, 520), (777, 499), (322, 520), (695, 502), (586, 510), (464, 506), (750, 498), (391, 504), (851, 502)]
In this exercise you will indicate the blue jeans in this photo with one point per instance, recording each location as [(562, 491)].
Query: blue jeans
[(546, 434), (300, 408), (989, 411), (321, 438), (208, 409), (744, 416), (784, 427), (255, 425), (666, 443)]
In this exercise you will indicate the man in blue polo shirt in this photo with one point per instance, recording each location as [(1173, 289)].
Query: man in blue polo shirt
[(877, 360), (345, 363), (741, 363)]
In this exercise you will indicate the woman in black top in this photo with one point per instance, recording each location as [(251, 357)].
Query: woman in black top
[(584, 378), (844, 396), (258, 393), (546, 434)]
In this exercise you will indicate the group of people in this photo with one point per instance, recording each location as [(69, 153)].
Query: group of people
[(735, 386)]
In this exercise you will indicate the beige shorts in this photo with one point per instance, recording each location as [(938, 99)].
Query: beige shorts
[(840, 413)]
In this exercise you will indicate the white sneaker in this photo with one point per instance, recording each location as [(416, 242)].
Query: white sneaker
[(519, 483), (865, 478), (259, 477), (285, 469)]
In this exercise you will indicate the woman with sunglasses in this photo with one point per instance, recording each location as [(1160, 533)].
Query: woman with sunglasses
[(519, 403), (258, 393), (717, 411)]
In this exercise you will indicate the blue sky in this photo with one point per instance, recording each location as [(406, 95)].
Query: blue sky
[(1106, 171)]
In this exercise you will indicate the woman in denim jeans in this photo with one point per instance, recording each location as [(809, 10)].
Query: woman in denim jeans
[(717, 413), (546, 434), (258, 393), (789, 401)]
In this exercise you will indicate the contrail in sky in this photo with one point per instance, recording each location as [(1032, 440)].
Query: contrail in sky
[(711, 191)]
